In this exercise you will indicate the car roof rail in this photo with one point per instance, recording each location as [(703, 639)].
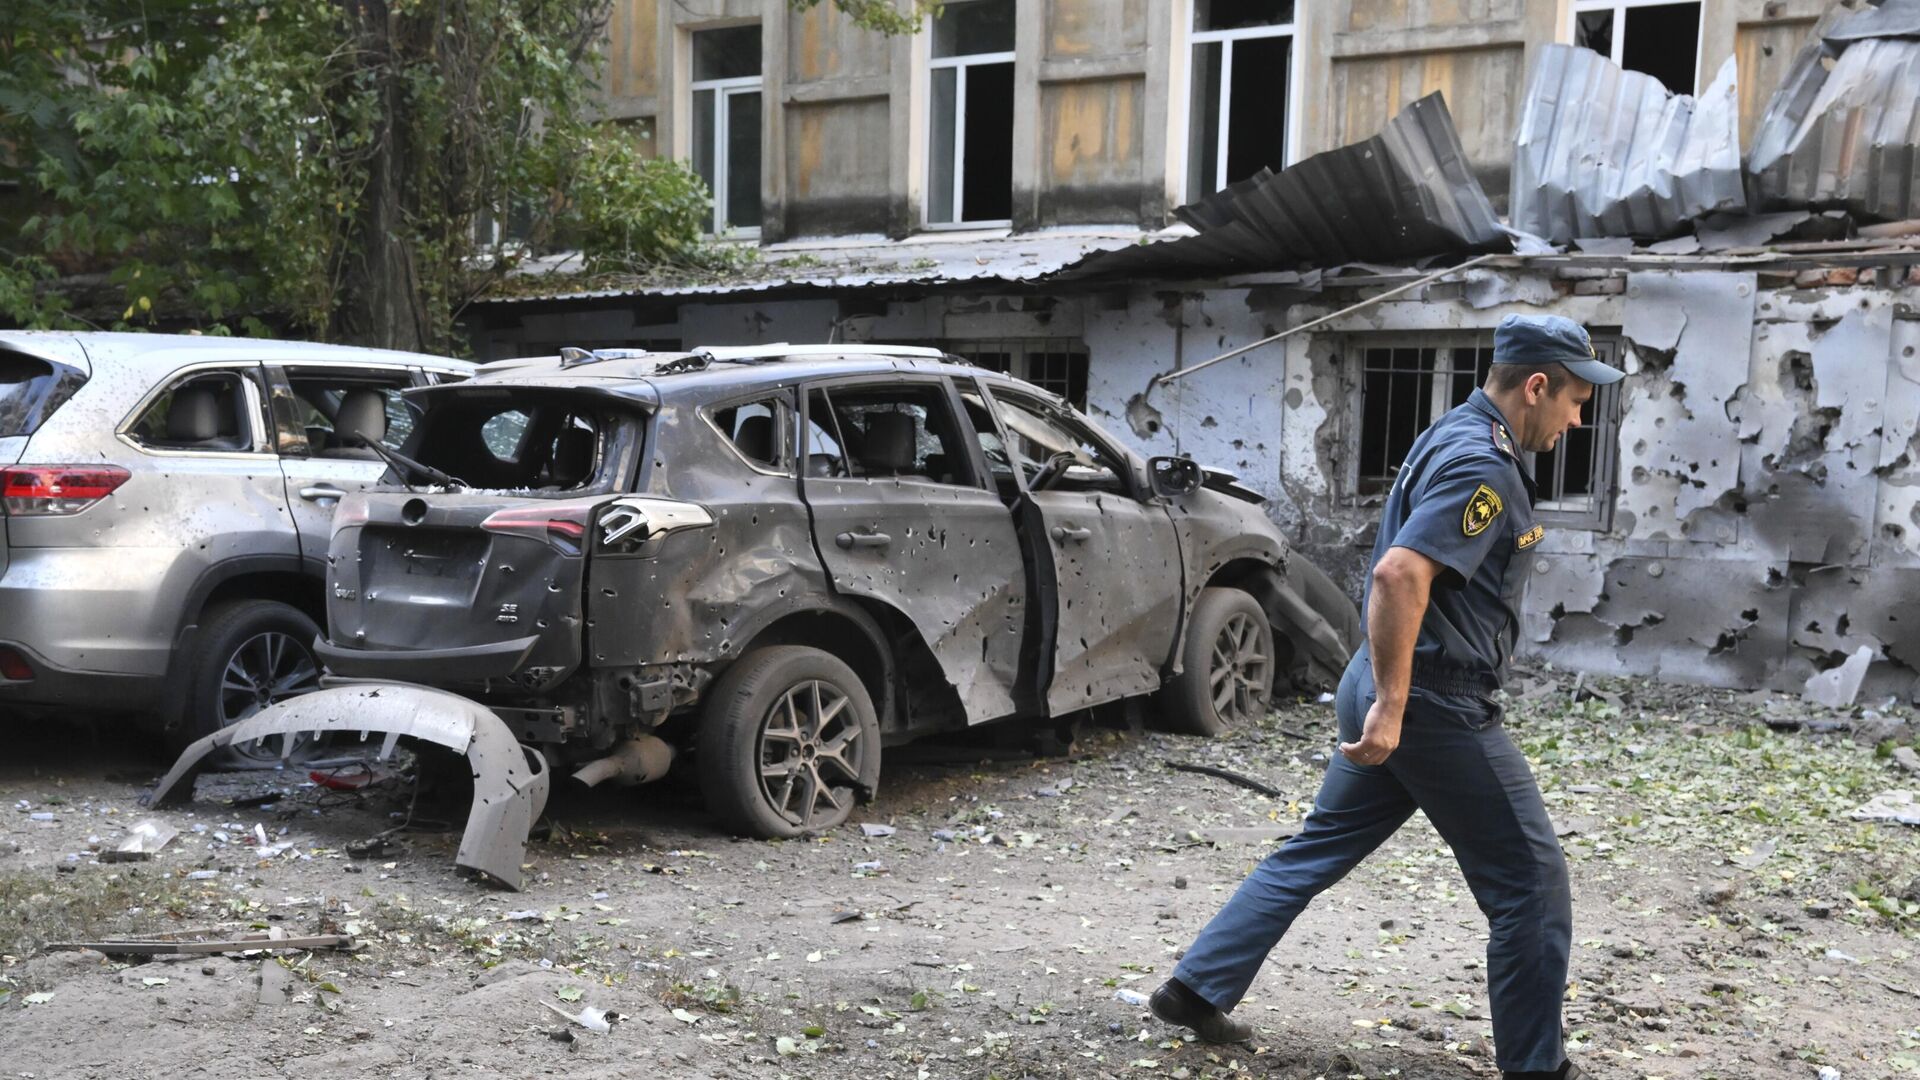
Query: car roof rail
[(780, 350), (573, 356)]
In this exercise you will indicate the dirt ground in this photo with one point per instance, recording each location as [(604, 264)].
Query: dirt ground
[(1730, 919)]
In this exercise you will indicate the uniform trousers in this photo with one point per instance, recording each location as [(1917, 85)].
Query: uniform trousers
[(1456, 764)]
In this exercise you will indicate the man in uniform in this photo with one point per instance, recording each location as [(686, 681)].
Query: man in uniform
[(1419, 729)]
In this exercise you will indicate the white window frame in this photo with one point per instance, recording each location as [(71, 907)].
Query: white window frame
[(724, 89), (1619, 9), (960, 64), (1224, 107)]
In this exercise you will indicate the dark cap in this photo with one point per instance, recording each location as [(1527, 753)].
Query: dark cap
[(1551, 339)]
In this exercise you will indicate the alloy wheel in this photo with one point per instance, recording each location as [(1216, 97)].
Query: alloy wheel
[(1238, 678), (266, 668), (811, 755)]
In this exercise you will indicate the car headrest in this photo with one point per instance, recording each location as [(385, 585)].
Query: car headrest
[(362, 417), (755, 438), (572, 460), (193, 416), (891, 442)]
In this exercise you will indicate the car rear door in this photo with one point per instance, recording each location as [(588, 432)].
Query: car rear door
[(320, 464), (905, 515), (1109, 558)]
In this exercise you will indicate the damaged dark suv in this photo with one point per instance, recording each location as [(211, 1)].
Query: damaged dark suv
[(781, 559)]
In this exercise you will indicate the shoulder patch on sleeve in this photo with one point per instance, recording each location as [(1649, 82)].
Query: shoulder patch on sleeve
[(1530, 537), (1482, 508)]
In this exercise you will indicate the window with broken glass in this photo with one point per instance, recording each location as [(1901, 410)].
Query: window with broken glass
[(970, 130), (1242, 53), (1405, 384), (1656, 37), (726, 124)]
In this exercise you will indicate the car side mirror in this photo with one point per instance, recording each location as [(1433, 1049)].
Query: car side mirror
[(1172, 477)]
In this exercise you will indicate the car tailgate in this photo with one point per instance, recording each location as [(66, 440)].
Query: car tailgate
[(457, 589)]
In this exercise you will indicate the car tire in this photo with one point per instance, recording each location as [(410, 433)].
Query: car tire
[(249, 653), (760, 740), (1226, 677)]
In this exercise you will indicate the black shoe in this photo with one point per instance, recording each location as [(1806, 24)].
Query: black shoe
[(1175, 1003)]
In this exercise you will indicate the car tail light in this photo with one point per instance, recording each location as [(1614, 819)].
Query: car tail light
[(54, 490), (562, 527), (13, 666)]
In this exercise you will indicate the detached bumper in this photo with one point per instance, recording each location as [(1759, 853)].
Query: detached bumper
[(510, 781)]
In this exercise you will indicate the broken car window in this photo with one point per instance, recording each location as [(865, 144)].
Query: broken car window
[(755, 428), (504, 433), (899, 431), (320, 394), (824, 454), (1038, 433)]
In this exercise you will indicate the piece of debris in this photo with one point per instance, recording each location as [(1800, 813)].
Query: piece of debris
[(1131, 997), (845, 916), (1899, 807), (377, 847), (1761, 852), (276, 983), (872, 830), (595, 1020), (1837, 688), (1907, 758), (163, 946), (1229, 776)]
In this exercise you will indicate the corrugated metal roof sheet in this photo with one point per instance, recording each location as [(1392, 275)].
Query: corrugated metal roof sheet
[(1893, 18), (1606, 152), (1843, 130), (1401, 194), (842, 262)]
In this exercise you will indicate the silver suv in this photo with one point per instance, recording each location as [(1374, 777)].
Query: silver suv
[(165, 508)]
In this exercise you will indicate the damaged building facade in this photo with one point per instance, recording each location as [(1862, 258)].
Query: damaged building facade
[(1179, 180)]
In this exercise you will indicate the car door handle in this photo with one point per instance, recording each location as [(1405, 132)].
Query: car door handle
[(1064, 533), (322, 491), (850, 540)]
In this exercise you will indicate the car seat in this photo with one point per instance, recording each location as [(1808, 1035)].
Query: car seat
[(891, 445), (571, 461), (755, 439), (361, 419), (194, 418)]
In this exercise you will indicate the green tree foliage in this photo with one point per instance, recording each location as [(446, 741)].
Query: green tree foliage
[(318, 162)]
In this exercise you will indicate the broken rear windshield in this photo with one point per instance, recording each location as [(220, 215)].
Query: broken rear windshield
[(533, 440), (31, 389)]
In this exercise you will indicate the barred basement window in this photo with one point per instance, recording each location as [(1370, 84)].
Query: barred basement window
[(1408, 383), (1055, 364)]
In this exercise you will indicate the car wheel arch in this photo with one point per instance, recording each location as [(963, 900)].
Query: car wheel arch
[(845, 630), (286, 578)]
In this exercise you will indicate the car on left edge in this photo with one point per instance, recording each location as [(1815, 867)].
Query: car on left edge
[(165, 509)]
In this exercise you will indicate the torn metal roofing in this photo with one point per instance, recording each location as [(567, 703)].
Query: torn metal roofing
[(1843, 130), (1892, 18), (1606, 152), (840, 262), (1402, 194)]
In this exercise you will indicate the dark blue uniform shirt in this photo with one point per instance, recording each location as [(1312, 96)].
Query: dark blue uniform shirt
[(1463, 500)]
